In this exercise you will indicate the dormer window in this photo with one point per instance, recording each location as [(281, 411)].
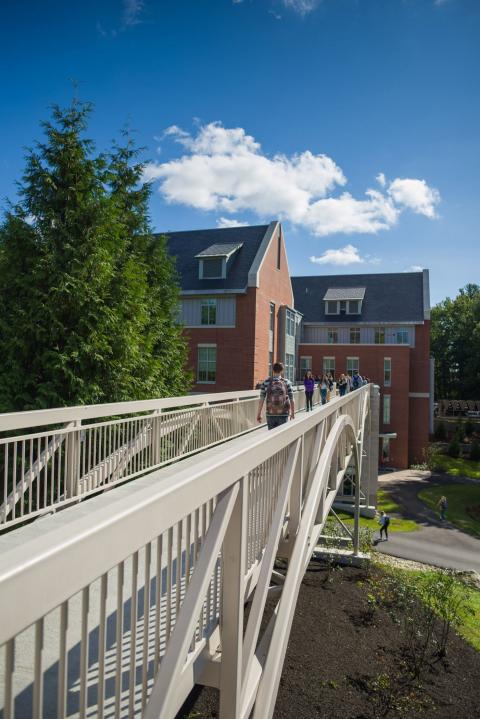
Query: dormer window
[(344, 301), (214, 261)]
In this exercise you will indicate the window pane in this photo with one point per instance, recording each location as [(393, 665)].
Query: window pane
[(353, 365), (212, 268), (402, 337), (355, 335), (387, 371), (380, 335), (332, 307), (207, 364), (332, 337), (329, 365), (353, 307), (386, 409), (385, 449), (272, 317)]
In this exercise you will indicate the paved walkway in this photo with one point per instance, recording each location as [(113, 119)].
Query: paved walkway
[(436, 542)]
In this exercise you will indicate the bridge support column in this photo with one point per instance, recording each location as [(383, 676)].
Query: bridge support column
[(369, 474)]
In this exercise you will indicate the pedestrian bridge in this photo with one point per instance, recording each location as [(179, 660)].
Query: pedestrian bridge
[(120, 604)]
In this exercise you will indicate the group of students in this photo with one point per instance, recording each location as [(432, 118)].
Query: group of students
[(345, 383)]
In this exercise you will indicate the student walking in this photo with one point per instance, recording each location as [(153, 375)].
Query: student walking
[(357, 380), (324, 388), (443, 504), (309, 384), (277, 393), (349, 383), (342, 384), (384, 521)]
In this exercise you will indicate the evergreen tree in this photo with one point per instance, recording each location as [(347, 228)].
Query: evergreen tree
[(86, 316)]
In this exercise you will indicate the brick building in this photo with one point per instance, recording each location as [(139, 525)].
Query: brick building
[(242, 311), (376, 324)]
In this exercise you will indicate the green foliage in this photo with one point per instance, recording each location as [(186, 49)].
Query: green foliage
[(469, 428), (455, 344), (88, 295), (454, 448), (440, 432), (475, 451), (463, 504)]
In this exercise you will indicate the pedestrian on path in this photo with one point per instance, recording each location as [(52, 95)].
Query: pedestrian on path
[(324, 389), (443, 504), (384, 521), (277, 392), (309, 384)]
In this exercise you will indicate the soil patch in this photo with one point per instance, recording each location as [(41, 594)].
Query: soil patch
[(343, 663)]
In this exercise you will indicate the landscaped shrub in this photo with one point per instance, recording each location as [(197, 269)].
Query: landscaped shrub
[(440, 432), (469, 428), (475, 452), (460, 432), (454, 448)]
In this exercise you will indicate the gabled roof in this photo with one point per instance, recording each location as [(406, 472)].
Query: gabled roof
[(186, 247), (219, 250), (345, 293), (391, 297)]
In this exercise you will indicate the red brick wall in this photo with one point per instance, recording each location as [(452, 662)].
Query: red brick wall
[(275, 286), (371, 366)]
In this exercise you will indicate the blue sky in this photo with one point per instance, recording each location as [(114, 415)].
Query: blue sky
[(260, 109)]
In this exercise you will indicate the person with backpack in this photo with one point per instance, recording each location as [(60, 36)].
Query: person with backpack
[(384, 521), (443, 504), (309, 384), (277, 394), (357, 380)]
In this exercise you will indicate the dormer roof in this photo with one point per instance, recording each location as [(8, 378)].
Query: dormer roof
[(345, 293), (220, 250)]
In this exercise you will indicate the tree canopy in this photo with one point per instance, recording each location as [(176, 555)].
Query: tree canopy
[(455, 345), (89, 296)]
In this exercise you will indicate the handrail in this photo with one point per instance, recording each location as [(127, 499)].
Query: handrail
[(42, 471), (201, 535)]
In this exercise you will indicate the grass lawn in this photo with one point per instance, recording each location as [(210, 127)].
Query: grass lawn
[(385, 504), (461, 498), (457, 467), (470, 626)]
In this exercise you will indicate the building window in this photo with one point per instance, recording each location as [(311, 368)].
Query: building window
[(290, 323), (279, 250), (270, 364), (379, 335), (401, 337), (387, 371), (354, 307), (343, 307), (329, 365), (209, 312), (332, 337), (207, 364), (211, 269), (305, 364), (353, 365), (289, 367), (332, 307), (386, 408), (272, 317), (354, 335), (385, 449)]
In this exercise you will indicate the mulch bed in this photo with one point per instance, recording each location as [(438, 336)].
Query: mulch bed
[(338, 658)]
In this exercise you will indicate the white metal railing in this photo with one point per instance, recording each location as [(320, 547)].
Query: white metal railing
[(119, 610), (69, 454)]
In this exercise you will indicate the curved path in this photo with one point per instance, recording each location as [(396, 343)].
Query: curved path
[(436, 542)]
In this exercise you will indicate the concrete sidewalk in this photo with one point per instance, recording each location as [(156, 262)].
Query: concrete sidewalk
[(438, 543)]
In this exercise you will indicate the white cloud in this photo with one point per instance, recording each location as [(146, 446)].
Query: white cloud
[(414, 268), (131, 12), (347, 255), (416, 195), (224, 170), (230, 222), (380, 178), (303, 7)]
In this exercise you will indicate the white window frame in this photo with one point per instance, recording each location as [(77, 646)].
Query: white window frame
[(350, 370), (208, 303), (387, 408), (202, 347), (217, 277), (387, 368), (350, 311), (348, 307), (332, 330), (356, 330), (331, 302), (381, 332), (402, 331), (332, 370), (289, 366), (304, 366)]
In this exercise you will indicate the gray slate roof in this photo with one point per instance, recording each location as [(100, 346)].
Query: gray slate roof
[(185, 246), (392, 297), (220, 250), (345, 293)]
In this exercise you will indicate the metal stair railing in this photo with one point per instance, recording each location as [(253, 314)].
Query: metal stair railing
[(119, 608), (88, 449)]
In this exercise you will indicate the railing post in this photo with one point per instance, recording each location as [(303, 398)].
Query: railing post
[(72, 464), (296, 493), (156, 436), (369, 475), (231, 622), (356, 514)]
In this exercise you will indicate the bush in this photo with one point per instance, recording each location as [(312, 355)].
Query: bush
[(454, 448), (440, 432), (460, 432), (475, 451), (469, 428)]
